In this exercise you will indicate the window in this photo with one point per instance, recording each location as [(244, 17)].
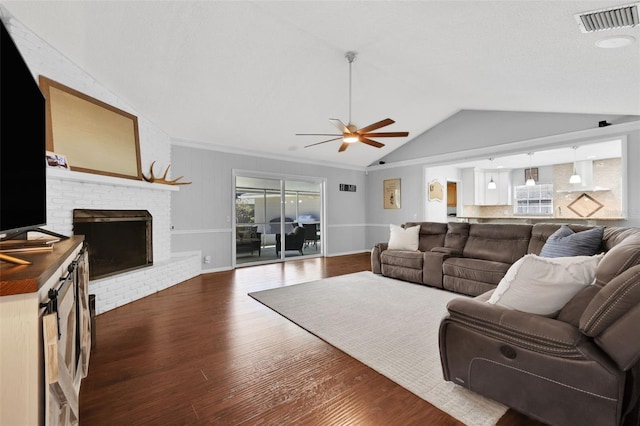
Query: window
[(534, 200), (246, 208)]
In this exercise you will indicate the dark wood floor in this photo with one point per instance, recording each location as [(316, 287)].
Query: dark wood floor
[(203, 352)]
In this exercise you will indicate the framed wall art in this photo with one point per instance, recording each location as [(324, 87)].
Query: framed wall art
[(56, 160), (95, 137), (391, 194), (436, 191), (585, 205), (531, 173)]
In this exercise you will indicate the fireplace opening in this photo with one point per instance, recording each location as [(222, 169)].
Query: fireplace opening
[(118, 240)]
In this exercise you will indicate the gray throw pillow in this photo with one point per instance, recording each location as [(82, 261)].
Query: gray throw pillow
[(565, 242)]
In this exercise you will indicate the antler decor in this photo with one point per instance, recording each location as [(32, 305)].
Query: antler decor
[(163, 179)]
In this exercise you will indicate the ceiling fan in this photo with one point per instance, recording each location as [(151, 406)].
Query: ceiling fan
[(350, 132)]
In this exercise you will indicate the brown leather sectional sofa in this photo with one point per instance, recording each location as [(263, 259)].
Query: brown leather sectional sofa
[(580, 366), (468, 258)]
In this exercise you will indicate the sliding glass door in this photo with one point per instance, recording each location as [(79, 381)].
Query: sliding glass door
[(276, 219)]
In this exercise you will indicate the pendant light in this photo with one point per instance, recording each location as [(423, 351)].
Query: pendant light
[(492, 184), (530, 181), (575, 177)]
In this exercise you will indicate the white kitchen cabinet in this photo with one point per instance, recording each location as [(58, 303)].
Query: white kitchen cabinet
[(499, 196)]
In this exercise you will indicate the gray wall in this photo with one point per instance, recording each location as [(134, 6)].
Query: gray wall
[(469, 129), (202, 212), (453, 142), (411, 202)]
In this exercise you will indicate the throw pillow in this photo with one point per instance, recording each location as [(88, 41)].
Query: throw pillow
[(404, 238), (543, 286), (565, 242)]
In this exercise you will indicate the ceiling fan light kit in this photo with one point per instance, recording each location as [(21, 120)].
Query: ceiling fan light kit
[(349, 132)]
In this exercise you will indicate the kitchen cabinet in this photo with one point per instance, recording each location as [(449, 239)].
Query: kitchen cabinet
[(452, 194), (499, 196)]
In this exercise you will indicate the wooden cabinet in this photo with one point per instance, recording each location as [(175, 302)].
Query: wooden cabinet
[(45, 335), (452, 194), (501, 195)]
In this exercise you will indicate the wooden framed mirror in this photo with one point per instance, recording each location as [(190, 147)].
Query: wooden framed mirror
[(94, 136)]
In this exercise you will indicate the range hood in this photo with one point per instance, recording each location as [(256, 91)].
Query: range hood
[(585, 169)]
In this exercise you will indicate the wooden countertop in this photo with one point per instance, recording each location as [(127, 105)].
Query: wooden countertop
[(20, 279)]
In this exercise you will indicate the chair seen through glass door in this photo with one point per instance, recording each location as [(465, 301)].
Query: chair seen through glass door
[(266, 209)]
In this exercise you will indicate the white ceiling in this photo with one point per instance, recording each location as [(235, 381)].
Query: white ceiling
[(249, 75)]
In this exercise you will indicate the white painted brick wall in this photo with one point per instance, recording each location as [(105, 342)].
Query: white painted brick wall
[(65, 195), (119, 290)]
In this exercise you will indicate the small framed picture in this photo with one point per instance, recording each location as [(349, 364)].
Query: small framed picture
[(391, 194), (531, 173), (57, 160), (436, 191)]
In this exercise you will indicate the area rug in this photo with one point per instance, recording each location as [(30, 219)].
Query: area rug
[(389, 325)]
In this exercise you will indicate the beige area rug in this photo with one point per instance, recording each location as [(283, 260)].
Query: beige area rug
[(389, 325)]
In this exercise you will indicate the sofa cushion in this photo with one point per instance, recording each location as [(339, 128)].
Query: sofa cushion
[(432, 234), (457, 235), (464, 286), (565, 242), (539, 234), (401, 273), (613, 316), (572, 311), (504, 243), (542, 285), (614, 235), (402, 258), (542, 231), (484, 271), (403, 238), (623, 256), (403, 265)]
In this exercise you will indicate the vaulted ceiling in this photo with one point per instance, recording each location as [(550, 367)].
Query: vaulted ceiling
[(248, 76)]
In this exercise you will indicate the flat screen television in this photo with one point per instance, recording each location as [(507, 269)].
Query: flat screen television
[(23, 201)]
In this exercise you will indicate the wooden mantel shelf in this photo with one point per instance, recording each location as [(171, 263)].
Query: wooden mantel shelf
[(69, 175)]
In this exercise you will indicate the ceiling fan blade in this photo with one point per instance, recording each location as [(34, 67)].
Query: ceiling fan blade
[(387, 134), (328, 140), (344, 146), (339, 125), (317, 134), (375, 126), (370, 142)]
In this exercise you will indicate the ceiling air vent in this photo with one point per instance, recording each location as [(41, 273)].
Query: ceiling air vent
[(608, 19)]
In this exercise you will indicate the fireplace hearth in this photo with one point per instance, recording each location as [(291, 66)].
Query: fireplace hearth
[(118, 240)]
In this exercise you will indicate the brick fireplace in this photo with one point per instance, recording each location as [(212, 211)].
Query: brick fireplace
[(118, 240), (98, 195), (68, 190)]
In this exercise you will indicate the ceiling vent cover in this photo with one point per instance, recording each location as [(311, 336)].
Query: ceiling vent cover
[(608, 19)]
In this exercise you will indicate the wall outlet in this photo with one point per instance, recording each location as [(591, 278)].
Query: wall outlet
[(206, 259)]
